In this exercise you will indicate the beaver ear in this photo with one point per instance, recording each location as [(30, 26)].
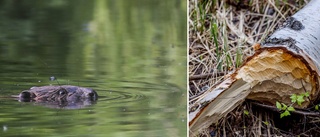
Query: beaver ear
[(33, 87)]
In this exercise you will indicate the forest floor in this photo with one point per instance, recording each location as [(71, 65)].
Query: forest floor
[(221, 36)]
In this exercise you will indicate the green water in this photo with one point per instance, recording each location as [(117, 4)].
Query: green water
[(132, 52)]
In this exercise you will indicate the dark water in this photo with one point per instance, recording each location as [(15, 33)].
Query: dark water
[(132, 52)]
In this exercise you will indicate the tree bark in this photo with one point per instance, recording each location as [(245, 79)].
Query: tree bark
[(286, 63)]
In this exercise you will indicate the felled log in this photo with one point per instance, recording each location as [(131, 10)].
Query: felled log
[(286, 63)]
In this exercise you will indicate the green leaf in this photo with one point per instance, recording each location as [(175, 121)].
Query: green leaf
[(278, 105), (316, 107), (285, 113), (300, 100), (307, 94), (284, 106), (281, 115), (291, 108), (293, 98), (265, 122), (246, 112)]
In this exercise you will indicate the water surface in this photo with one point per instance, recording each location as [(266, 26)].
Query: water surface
[(133, 53)]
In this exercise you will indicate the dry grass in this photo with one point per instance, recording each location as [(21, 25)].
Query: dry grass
[(221, 36)]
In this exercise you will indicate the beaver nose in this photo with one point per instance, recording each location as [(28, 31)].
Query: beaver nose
[(25, 95), (91, 94)]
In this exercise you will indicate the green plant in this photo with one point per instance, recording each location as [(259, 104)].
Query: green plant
[(299, 98), (238, 57), (285, 109), (265, 122), (246, 112), (214, 33)]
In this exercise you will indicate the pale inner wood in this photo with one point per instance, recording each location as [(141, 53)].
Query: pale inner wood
[(275, 75)]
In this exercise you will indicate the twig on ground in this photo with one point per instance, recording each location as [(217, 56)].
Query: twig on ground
[(299, 112)]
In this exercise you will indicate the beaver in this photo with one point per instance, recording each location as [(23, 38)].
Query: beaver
[(60, 96)]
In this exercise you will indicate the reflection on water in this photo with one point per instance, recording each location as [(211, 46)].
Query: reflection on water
[(131, 110), (133, 53)]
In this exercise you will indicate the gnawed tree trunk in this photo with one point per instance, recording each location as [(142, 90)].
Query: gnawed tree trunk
[(287, 62)]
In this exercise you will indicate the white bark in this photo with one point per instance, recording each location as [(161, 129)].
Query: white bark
[(307, 38)]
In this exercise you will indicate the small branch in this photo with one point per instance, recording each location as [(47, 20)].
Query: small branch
[(204, 76), (299, 112)]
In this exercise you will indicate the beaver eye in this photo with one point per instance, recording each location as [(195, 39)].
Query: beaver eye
[(62, 92)]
